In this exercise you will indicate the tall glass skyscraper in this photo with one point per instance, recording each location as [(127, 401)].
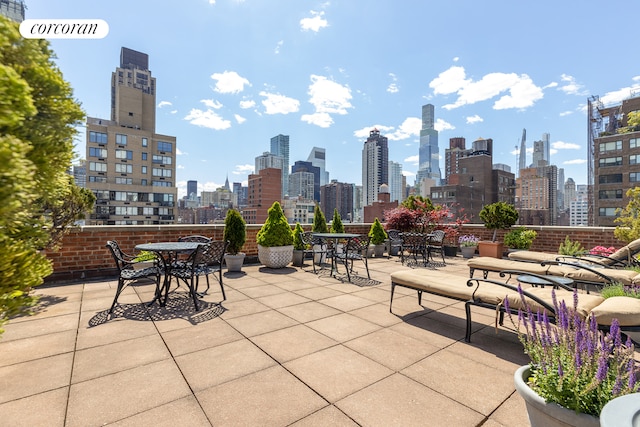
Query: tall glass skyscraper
[(429, 153), (280, 147), (375, 166), (317, 157)]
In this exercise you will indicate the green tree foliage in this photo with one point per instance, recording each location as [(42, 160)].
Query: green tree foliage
[(235, 231), (377, 233), (37, 197), (276, 230), (298, 244), (418, 203), (571, 248), (633, 123), (319, 221), (336, 224), (629, 217), (498, 215)]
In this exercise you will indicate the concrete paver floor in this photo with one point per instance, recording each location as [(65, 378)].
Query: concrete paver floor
[(287, 347)]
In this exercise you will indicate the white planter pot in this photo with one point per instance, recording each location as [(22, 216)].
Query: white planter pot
[(275, 256), (543, 414), (468, 251), (234, 262), (321, 256), (378, 250)]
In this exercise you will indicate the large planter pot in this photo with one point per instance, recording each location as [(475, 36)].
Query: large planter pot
[(298, 257), (450, 251), (543, 414), (378, 250), (490, 249), (468, 251), (275, 256), (234, 262)]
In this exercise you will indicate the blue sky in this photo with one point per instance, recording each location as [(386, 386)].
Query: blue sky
[(231, 74)]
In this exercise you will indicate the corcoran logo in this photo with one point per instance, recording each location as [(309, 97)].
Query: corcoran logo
[(64, 29)]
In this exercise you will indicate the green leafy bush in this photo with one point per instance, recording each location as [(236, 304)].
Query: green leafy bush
[(319, 221), (570, 248), (235, 231), (498, 215), (377, 233), (298, 244), (276, 230), (336, 224), (620, 290), (520, 238)]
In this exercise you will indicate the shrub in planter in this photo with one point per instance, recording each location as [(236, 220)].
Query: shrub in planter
[(520, 238), (336, 223), (378, 237), (275, 233), (498, 215), (298, 246), (235, 231), (319, 221)]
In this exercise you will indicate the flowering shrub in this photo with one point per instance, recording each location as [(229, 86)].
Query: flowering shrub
[(468, 240), (620, 290), (574, 364), (602, 251)]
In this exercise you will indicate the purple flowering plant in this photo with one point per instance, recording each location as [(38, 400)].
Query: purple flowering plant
[(468, 240), (573, 363)]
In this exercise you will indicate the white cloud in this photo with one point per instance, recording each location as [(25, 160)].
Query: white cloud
[(365, 131), (164, 104), (279, 104), (328, 97), (410, 127), (474, 119), (393, 88), (212, 1), (239, 118), (561, 145), (440, 125), (278, 46), (246, 104), (179, 152), (322, 120), (243, 169), (208, 119), (522, 92), (173, 111), (575, 162), (565, 113), (570, 87), (553, 151), (409, 174), (229, 82), (180, 167), (616, 97), (211, 103), (315, 22)]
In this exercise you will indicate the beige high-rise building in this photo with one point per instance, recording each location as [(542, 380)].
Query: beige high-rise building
[(130, 168)]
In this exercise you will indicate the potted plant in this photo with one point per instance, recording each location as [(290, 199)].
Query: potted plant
[(499, 215), (468, 244), (319, 225), (575, 368), (298, 246), (275, 239), (378, 238), (336, 223), (520, 238), (235, 232)]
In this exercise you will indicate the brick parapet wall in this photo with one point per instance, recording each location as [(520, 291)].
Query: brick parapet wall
[(83, 254)]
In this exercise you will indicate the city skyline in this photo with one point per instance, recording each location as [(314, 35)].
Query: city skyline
[(228, 79)]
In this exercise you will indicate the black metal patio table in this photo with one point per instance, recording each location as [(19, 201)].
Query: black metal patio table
[(335, 237), (168, 253)]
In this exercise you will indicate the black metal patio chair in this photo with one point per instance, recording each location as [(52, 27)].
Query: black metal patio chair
[(206, 259), (314, 245), (130, 270), (413, 244), (435, 243), (355, 249)]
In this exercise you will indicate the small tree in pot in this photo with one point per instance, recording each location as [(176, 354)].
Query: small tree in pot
[(275, 239), (499, 215), (319, 226), (378, 237), (235, 232), (298, 246)]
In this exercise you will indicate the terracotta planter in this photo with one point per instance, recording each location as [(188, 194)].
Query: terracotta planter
[(543, 414), (490, 249)]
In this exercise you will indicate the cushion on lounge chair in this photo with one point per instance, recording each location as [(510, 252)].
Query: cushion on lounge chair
[(626, 252), (625, 309), (494, 264), (579, 275), (532, 256), (586, 302)]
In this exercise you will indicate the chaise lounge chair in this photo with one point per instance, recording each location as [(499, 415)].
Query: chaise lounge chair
[(623, 257)]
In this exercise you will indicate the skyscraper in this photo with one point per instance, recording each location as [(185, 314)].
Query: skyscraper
[(395, 181), (13, 9), (269, 160), (522, 163), (429, 153), (302, 166), (131, 169), (375, 166), (192, 188), (280, 147), (317, 157)]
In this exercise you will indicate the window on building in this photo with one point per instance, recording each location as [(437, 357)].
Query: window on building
[(634, 177), (144, 169), (147, 211), (125, 181), (98, 152), (102, 194), (145, 142), (161, 183), (607, 212), (97, 178), (144, 156), (124, 168), (165, 146), (634, 159), (610, 194), (97, 167), (121, 139), (163, 160), (610, 179), (610, 146), (161, 172), (143, 182), (634, 143), (610, 161), (99, 137), (124, 154)]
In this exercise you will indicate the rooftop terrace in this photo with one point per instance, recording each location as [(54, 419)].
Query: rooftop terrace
[(287, 347)]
